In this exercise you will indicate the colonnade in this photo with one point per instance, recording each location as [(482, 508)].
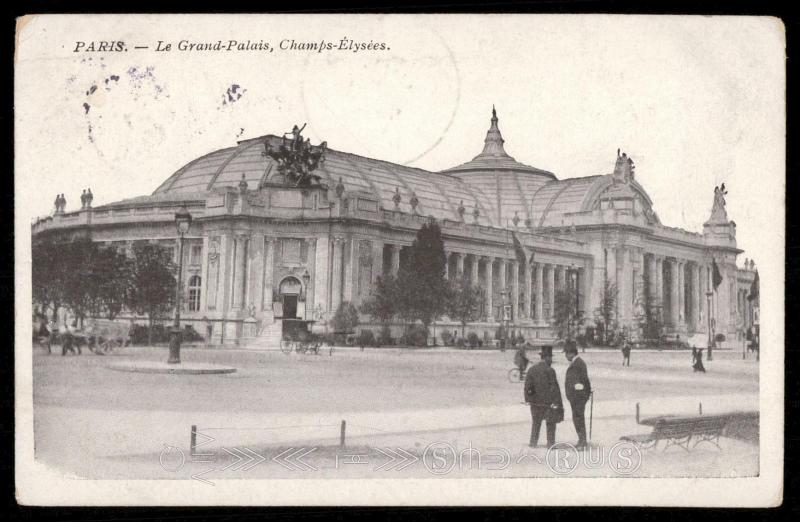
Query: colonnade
[(675, 288)]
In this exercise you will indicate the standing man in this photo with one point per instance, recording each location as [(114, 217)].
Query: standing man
[(544, 396), (626, 352), (578, 389)]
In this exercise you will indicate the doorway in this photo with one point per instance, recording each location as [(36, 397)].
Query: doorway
[(289, 306), (290, 292)]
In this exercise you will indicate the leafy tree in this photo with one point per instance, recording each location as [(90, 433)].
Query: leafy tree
[(566, 319), (346, 317), (48, 274), (422, 289), (606, 312), (381, 306), (80, 283), (152, 289), (648, 312), (464, 302), (113, 272)]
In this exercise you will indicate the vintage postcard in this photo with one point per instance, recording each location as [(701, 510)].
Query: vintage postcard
[(396, 259)]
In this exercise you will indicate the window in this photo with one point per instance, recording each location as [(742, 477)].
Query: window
[(196, 254), (194, 293)]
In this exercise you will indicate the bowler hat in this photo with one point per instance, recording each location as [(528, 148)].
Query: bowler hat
[(547, 350)]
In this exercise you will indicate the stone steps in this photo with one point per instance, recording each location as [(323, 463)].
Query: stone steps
[(268, 339)]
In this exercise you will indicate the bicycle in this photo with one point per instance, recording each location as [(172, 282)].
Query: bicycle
[(515, 375)]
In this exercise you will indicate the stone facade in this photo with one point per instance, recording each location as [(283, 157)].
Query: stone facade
[(261, 250)]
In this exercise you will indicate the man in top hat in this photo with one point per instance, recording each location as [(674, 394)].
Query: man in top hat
[(544, 396), (578, 389)]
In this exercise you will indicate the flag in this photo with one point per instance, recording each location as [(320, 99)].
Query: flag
[(754, 289), (518, 250), (716, 276)]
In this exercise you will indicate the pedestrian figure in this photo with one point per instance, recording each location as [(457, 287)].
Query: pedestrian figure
[(626, 353), (697, 360), (544, 396), (44, 335), (66, 339), (578, 389)]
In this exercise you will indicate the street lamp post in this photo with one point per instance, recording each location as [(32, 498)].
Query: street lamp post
[(505, 318), (710, 326), (574, 277), (306, 279), (183, 220)]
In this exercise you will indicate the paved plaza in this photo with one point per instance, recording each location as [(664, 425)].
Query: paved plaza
[(400, 407)]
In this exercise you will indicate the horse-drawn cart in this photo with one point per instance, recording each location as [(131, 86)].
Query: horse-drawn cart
[(296, 336), (104, 336)]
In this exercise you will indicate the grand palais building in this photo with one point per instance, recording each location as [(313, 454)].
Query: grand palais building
[(261, 250)]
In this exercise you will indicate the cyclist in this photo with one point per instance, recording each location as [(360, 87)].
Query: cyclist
[(521, 360)]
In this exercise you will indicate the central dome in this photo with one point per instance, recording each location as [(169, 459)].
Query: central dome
[(494, 157), (510, 184)]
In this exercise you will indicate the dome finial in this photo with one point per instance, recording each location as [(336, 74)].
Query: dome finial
[(493, 144)]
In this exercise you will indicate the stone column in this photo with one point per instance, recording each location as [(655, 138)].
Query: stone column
[(351, 270), (682, 293), (459, 264), (638, 279), (501, 279), (697, 298), (611, 266), (240, 272), (489, 288), (338, 267), (446, 265), (625, 284), (473, 278), (321, 280), (528, 300), (395, 260), (551, 290), (652, 277), (255, 288), (377, 261), (515, 290), (269, 262), (204, 275), (560, 278), (660, 289), (539, 292), (674, 304), (701, 293)]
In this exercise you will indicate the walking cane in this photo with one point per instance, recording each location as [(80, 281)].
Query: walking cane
[(591, 412)]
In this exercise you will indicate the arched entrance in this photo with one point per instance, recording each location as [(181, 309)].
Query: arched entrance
[(290, 289)]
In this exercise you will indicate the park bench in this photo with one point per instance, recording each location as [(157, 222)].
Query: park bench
[(682, 431)]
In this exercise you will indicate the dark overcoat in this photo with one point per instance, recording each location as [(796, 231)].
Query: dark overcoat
[(541, 386), (577, 374)]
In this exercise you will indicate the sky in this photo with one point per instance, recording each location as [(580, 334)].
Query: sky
[(695, 101)]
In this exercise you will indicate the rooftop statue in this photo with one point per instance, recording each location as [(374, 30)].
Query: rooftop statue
[(718, 212), (297, 159)]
